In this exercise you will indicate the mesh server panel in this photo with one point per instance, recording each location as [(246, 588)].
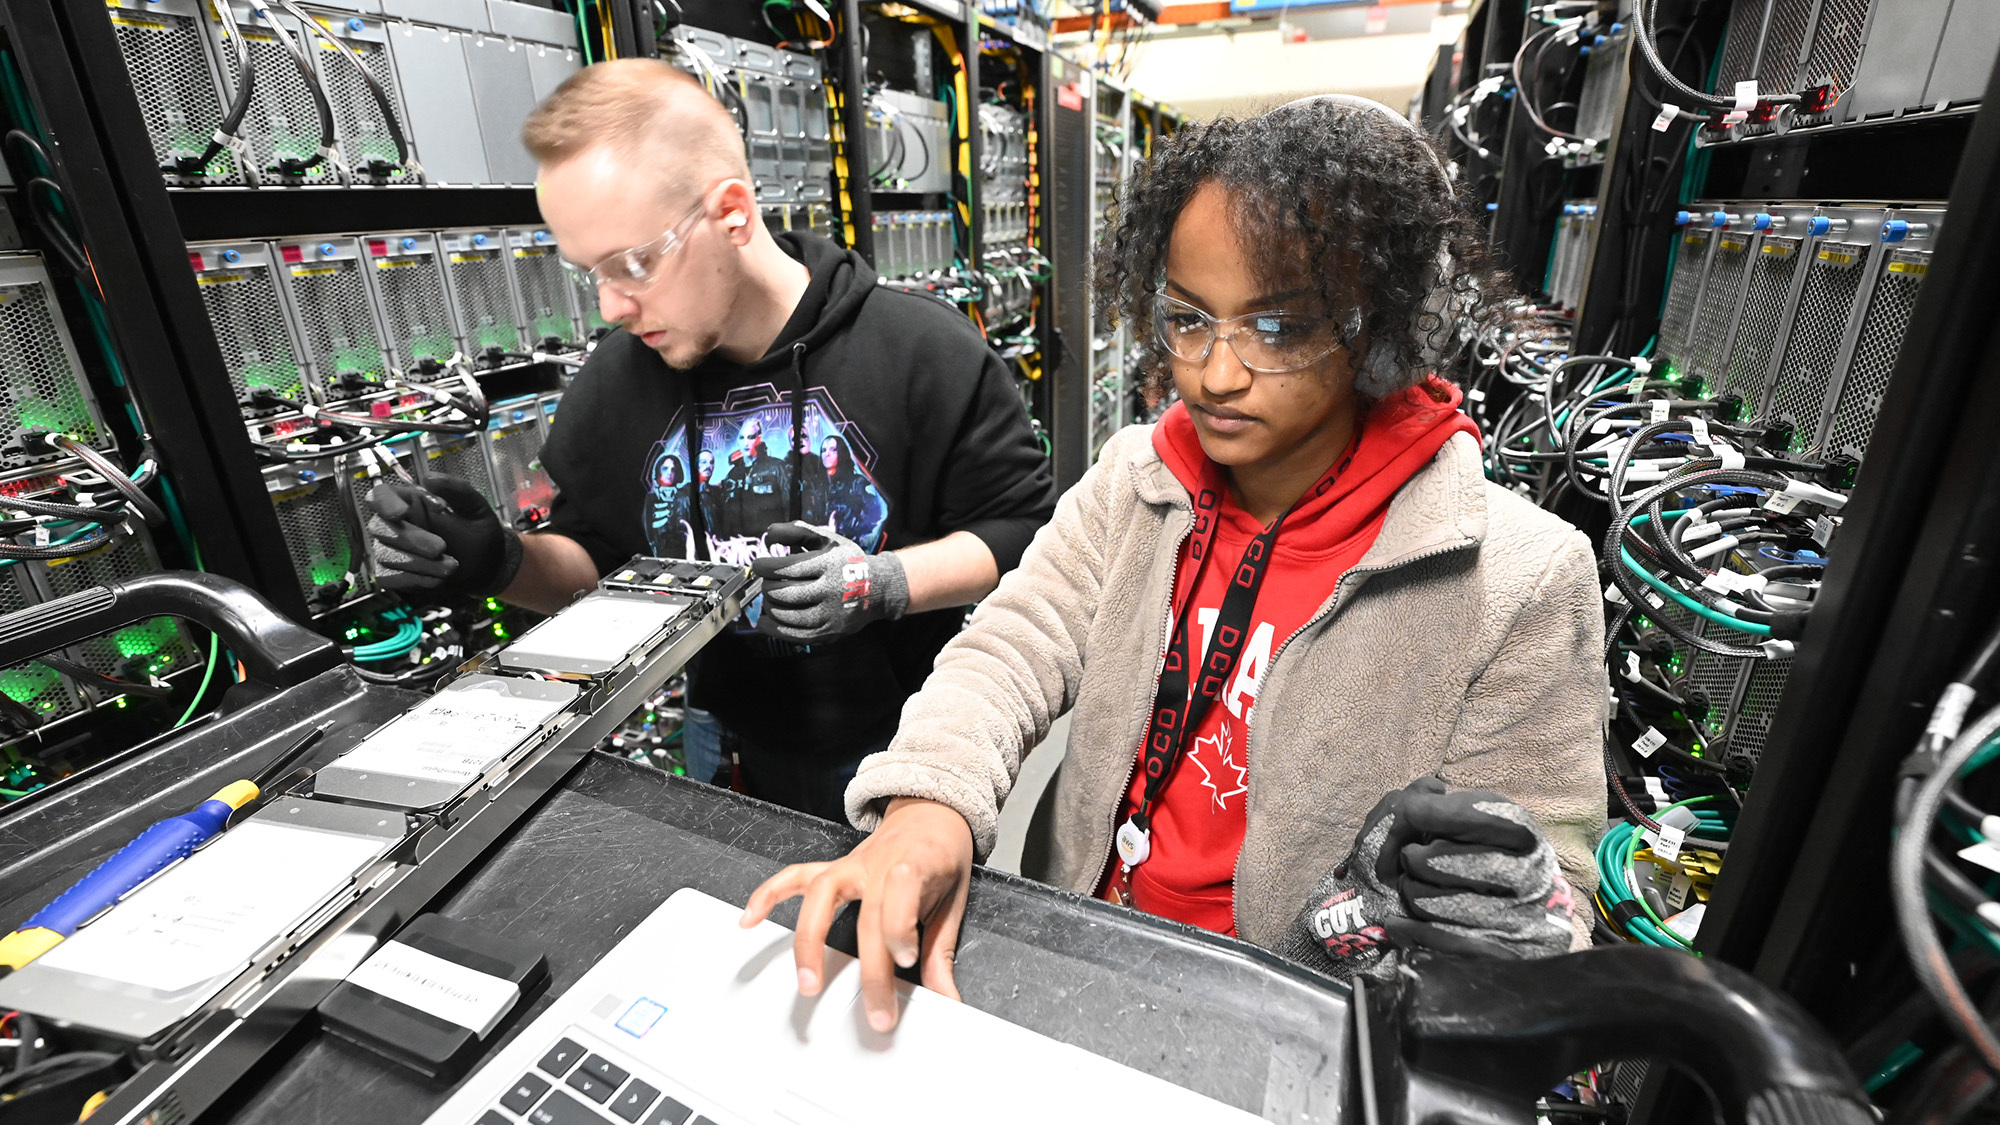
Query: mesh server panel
[(1761, 691), (283, 122), (239, 289), (1598, 104), (162, 43), (475, 262), (318, 524), (1890, 306), (42, 385), (1715, 315), (1806, 373), (366, 142), (33, 685), (1765, 323), (408, 280), (1683, 289), (514, 452), (1739, 44), (156, 646), (343, 344), (461, 456), (547, 291), (1784, 43), (1836, 49)]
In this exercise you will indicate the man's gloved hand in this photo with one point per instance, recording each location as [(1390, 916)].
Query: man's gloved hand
[(1465, 873), (441, 539), (1475, 875), (827, 587)]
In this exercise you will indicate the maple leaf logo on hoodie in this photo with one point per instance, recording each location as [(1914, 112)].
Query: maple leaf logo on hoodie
[(1234, 779)]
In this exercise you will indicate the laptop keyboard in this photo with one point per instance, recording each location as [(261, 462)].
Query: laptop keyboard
[(573, 1085)]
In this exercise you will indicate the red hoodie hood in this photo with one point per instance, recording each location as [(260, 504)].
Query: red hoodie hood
[(1399, 437)]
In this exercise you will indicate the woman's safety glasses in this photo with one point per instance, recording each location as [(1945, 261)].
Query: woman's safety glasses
[(1267, 342)]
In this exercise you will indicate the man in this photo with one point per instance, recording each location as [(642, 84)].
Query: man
[(761, 482), (723, 332)]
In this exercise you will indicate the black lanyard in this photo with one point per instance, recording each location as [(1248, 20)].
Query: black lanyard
[(1175, 712)]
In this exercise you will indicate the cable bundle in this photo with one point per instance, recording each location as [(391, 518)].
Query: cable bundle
[(1712, 553)]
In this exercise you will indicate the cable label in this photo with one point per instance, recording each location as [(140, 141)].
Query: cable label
[(1661, 409), (1668, 111), (1746, 96), (1649, 743), (1667, 842)]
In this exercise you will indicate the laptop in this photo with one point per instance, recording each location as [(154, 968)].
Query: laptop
[(692, 1020)]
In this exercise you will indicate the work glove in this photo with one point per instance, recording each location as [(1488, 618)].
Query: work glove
[(1464, 873), (439, 539), (1476, 876), (827, 587), (1342, 927)]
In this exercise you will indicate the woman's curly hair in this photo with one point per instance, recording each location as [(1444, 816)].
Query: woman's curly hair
[(1336, 198)]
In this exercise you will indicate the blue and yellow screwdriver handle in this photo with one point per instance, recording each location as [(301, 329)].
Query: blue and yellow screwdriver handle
[(149, 853)]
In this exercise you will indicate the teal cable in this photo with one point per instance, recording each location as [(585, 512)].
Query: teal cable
[(1649, 579), (214, 646)]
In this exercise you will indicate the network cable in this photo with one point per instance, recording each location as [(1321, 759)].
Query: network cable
[(329, 151), (375, 90)]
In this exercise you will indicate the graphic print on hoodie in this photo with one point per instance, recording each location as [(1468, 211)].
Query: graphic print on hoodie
[(743, 476)]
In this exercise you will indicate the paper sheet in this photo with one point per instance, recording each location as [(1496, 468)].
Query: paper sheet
[(453, 736), (211, 914)]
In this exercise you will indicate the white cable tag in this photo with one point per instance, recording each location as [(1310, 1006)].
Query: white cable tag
[(1661, 410), (1778, 650), (1780, 502), (41, 534), (1614, 595), (1475, 395), (1808, 491), (1698, 425), (1688, 922), (1728, 454), (1734, 118), (1680, 890), (1632, 666), (1949, 715), (1654, 600), (1637, 387), (1696, 532), (1746, 95), (1665, 120), (1656, 789), (1554, 147), (1982, 853), (1667, 842), (1649, 743), (819, 10), (1823, 528), (1601, 426)]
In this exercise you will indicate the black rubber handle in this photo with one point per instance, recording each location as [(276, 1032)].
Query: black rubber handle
[(1520, 1026), (274, 650)]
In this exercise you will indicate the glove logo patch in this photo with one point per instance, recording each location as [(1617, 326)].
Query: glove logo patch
[(1342, 927)]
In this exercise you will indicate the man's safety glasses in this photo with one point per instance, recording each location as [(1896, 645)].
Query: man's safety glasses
[(631, 272), (1268, 342)]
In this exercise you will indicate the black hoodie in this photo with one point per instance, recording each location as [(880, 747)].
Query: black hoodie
[(925, 435)]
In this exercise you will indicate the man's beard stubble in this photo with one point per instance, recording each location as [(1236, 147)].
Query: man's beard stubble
[(687, 357)]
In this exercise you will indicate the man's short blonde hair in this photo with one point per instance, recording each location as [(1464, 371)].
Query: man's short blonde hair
[(646, 110)]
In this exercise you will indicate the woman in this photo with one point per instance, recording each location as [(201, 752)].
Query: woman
[(851, 504), (1309, 533)]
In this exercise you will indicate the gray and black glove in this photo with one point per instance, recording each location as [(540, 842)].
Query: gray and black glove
[(1344, 924), (1476, 876), (440, 539), (827, 587), (1464, 873)]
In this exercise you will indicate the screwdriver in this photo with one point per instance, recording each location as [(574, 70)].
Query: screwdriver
[(149, 853)]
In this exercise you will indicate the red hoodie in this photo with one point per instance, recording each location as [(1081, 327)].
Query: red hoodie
[(1199, 821)]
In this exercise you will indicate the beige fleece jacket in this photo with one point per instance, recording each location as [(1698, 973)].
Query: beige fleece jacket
[(1465, 644)]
